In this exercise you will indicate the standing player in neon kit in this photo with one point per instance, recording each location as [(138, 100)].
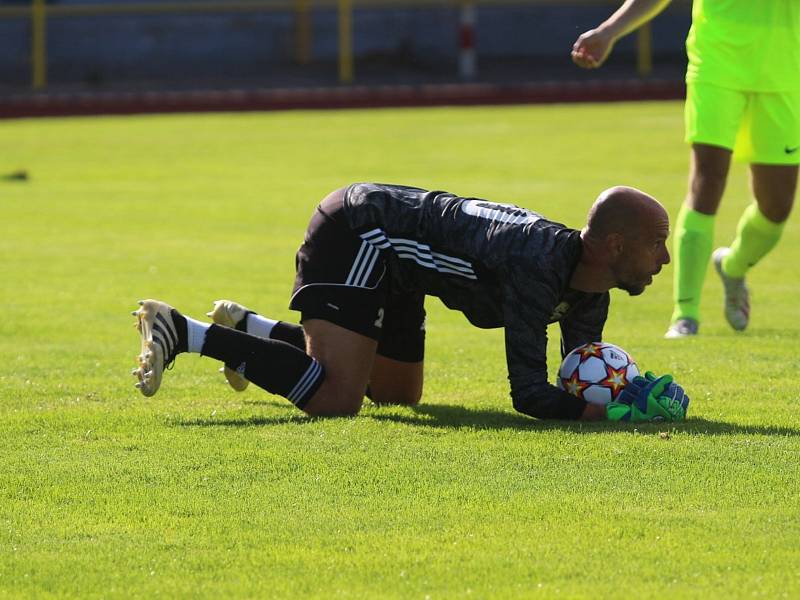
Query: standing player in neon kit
[(742, 98)]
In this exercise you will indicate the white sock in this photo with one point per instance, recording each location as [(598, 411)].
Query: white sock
[(259, 326), (196, 334)]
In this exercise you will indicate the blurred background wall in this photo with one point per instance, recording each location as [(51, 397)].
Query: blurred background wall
[(397, 44)]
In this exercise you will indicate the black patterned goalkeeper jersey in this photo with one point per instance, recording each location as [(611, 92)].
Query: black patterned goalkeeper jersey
[(499, 264)]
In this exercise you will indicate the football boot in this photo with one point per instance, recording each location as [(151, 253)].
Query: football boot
[(228, 314), (159, 336), (682, 328), (737, 296)]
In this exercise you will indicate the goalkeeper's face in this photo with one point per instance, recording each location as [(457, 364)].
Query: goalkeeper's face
[(643, 255)]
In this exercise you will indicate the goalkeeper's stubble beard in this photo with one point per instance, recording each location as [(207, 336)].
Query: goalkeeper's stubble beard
[(629, 282)]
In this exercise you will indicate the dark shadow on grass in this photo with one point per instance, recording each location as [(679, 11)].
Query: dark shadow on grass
[(254, 421), (281, 403), (459, 417), (445, 416)]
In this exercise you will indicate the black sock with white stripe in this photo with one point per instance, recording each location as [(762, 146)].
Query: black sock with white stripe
[(267, 328), (276, 366)]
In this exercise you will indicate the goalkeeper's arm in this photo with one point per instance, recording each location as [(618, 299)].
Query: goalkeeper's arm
[(545, 401), (594, 412)]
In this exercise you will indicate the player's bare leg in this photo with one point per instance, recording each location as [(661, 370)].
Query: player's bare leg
[(774, 188), (236, 316), (708, 176), (694, 235), (348, 358), (391, 381), (760, 227), (396, 382)]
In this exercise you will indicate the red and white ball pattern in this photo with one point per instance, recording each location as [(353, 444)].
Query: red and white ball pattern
[(596, 372)]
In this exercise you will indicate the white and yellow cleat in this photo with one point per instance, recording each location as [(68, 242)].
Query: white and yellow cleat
[(159, 343), (228, 314)]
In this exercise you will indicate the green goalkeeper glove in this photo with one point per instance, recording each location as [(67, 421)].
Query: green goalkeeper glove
[(650, 398)]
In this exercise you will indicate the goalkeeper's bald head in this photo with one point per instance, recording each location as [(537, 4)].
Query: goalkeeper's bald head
[(625, 240)]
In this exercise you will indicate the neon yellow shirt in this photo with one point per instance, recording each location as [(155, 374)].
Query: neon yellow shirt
[(749, 45)]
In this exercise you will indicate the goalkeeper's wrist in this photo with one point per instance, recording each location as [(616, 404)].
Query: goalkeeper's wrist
[(594, 412)]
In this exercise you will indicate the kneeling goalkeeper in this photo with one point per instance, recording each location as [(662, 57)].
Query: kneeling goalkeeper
[(371, 254)]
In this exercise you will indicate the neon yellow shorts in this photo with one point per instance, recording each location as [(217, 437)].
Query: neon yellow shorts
[(760, 127)]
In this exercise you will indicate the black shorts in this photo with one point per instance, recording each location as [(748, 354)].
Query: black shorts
[(342, 279)]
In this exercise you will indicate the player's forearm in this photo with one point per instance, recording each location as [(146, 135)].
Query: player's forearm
[(594, 412), (545, 401), (630, 16)]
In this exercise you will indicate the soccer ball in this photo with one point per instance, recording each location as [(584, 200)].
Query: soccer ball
[(596, 372)]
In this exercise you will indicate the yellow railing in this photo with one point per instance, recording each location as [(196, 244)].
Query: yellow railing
[(39, 12)]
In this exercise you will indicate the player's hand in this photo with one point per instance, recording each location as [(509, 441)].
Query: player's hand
[(678, 398), (650, 398), (592, 48)]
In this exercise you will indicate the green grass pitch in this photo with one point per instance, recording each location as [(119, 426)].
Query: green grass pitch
[(204, 492)]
